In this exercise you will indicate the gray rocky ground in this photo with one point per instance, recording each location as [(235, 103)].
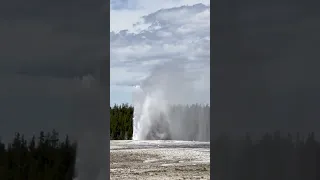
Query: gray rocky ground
[(166, 160)]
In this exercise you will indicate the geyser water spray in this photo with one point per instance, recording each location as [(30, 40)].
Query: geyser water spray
[(164, 107), (150, 116)]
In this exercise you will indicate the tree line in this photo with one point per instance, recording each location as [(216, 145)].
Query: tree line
[(121, 118), (42, 158)]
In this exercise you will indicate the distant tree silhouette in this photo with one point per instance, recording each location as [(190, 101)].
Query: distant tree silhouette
[(45, 159), (121, 122)]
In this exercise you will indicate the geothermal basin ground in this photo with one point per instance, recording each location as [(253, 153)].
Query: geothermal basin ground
[(159, 159)]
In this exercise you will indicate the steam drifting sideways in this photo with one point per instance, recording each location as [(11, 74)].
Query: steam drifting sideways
[(164, 107)]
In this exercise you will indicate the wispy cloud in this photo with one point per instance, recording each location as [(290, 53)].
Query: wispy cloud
[(180, 33), (123, 4)]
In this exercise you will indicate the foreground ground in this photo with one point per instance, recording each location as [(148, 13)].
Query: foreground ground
[(159, 160)]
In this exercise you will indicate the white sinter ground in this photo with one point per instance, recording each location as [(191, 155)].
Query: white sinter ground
[(158, 159)]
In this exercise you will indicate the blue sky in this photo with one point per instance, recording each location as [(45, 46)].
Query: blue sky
[(145, 34)]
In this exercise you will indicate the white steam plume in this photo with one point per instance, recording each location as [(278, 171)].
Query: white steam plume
[(155, 113)]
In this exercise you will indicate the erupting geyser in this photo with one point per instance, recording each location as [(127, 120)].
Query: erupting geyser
[(165, 109)]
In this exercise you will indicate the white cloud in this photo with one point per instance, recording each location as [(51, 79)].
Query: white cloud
[(157, 32), (121, 19)]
